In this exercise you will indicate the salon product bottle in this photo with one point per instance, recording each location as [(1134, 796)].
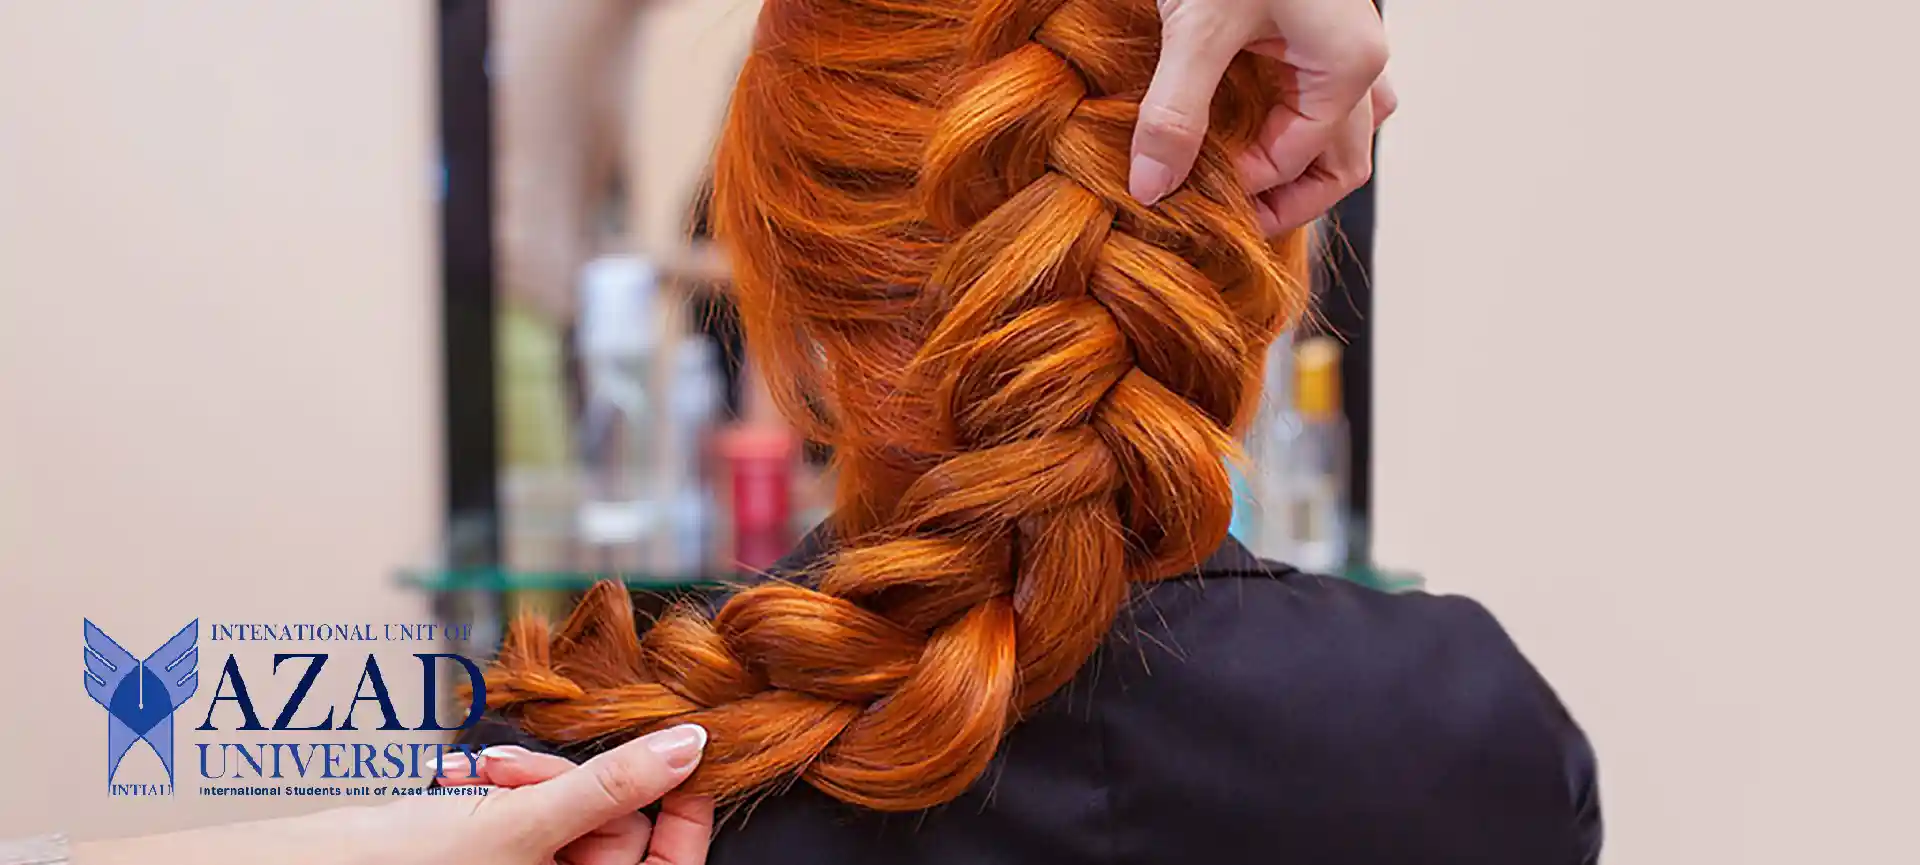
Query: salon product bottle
[(693, 403), (760, 464), (1264, 513), (617, 335), (1245, 506), (761, 455), (1317, 497)]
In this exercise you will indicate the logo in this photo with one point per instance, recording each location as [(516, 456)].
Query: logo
[(140, 696)]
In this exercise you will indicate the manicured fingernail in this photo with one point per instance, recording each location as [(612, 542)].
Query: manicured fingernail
[(453, 764), (1151, 180), (502, 753), (679, 745)]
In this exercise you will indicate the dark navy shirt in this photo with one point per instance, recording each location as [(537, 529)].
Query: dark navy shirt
[(1250, 713)]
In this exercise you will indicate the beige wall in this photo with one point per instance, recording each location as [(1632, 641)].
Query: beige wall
[(689, 52), (218, 379), (1647, 387)]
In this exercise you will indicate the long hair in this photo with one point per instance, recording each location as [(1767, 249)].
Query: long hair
[(1031, 382)]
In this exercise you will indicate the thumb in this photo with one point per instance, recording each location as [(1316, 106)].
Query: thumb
[(614, 784), (1196, 45)]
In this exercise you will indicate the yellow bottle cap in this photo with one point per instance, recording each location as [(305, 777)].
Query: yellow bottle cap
[(1316, 382)]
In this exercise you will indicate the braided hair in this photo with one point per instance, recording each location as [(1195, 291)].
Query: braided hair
[(1032, 384)]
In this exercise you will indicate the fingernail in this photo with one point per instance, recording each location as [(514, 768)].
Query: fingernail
[(679, 745), (464, 767), (1151, 180), (502, 753)]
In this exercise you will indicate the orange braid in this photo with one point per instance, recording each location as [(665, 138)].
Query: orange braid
[(1031, 383)]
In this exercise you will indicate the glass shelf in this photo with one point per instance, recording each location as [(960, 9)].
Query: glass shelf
[(510, 580), (496, 580), (1386, 581)]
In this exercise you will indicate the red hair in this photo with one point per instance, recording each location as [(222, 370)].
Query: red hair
[(1031, 382)]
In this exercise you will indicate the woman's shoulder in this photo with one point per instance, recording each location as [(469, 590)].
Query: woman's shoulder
[(1280, 638), (1240, 621), (1311, 624), (1301, 703)]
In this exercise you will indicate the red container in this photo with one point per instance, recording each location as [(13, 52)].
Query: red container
[(760, 461)]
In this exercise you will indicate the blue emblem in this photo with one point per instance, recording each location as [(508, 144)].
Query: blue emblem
[(140, 696)]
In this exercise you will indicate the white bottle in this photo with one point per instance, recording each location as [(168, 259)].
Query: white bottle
[(1271, 442), (616, 338), (692, 408)]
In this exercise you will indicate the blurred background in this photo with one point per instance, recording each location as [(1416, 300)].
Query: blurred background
[(390, 310)]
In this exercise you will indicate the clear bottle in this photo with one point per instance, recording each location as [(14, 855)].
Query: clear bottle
[(693, 405), (617, 337), (1265, 525), (1317, 464)]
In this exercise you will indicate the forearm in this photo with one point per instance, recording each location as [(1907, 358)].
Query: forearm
[(291, 841), (51, 850)]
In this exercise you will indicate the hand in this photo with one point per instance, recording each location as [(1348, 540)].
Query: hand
[(597, 821), (543, 809), (1316, 146), (679, 837)]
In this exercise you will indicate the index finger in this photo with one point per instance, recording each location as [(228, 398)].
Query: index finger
[(610, 785)]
